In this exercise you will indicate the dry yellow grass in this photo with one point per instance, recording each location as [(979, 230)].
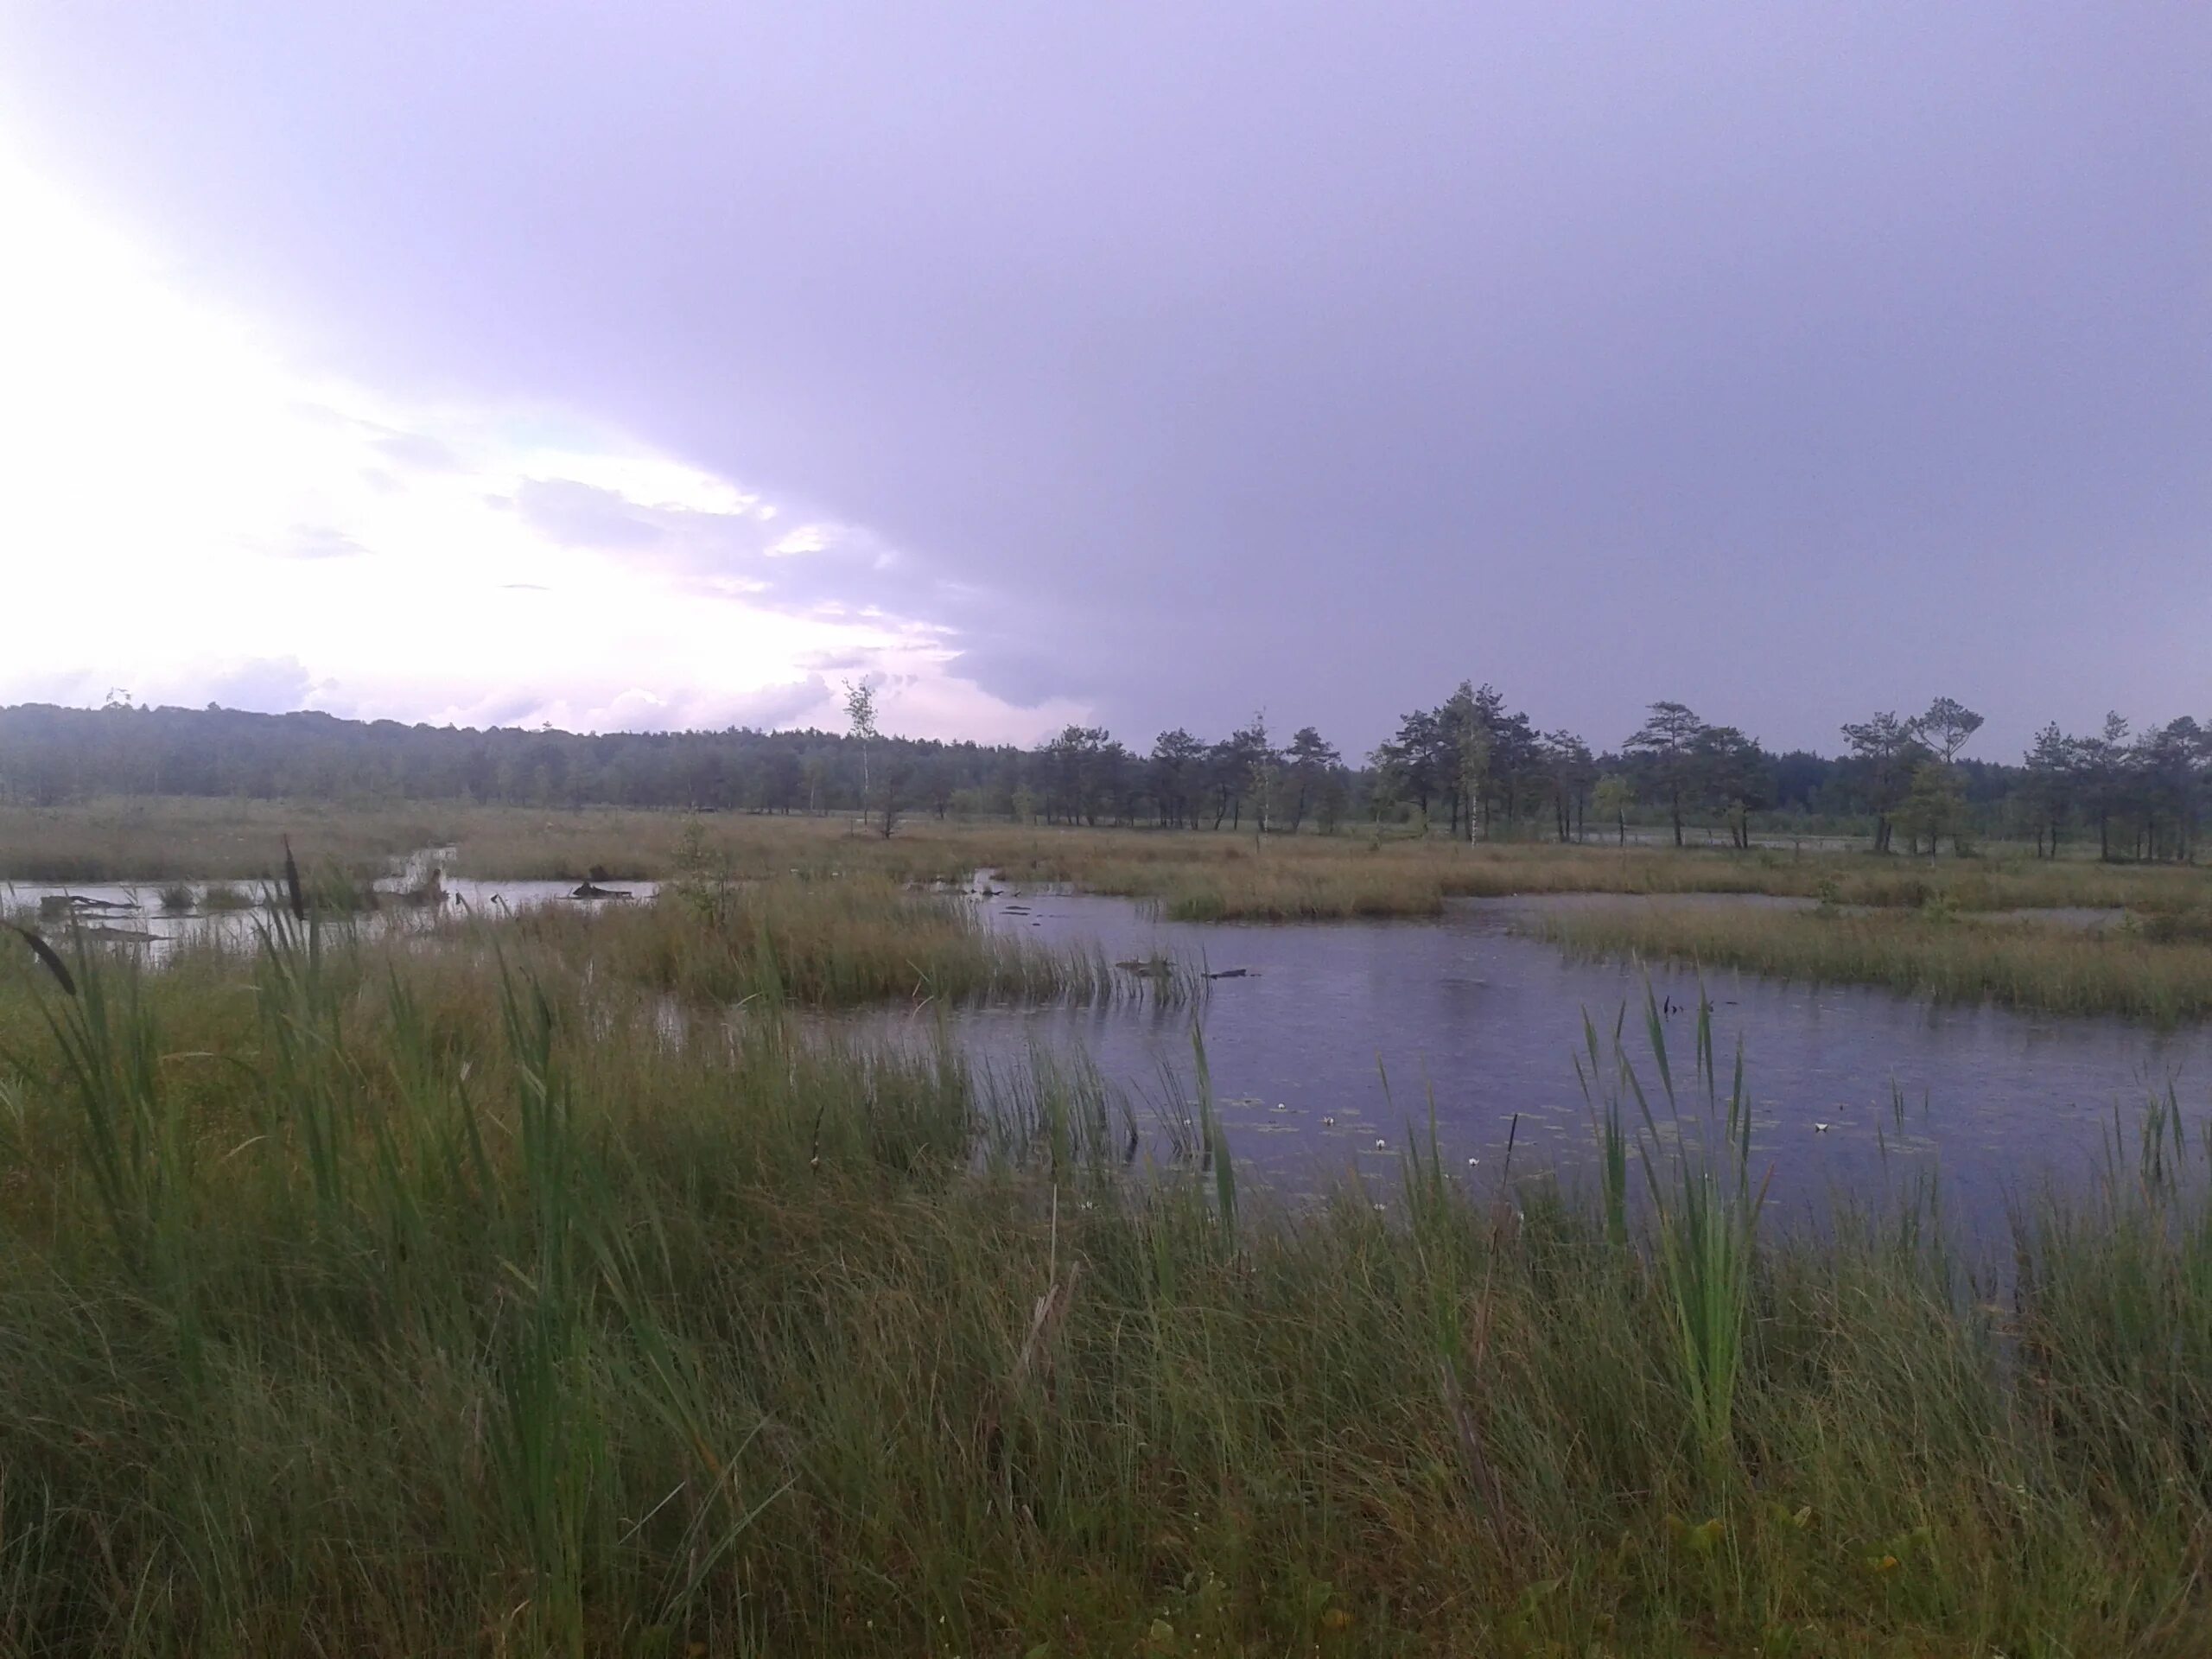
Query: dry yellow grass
[(1196, 874), (2019, 963), (152, 841)]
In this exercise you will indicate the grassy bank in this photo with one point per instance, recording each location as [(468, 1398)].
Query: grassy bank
[(385, 1300), (1953, 959)]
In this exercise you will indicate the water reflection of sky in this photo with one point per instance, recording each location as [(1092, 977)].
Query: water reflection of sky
[(133, 915), (1489, 1024)]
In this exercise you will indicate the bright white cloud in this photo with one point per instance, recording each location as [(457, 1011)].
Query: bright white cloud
[(191, 518)]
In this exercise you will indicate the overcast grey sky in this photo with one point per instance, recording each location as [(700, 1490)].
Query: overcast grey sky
[(644, 365)]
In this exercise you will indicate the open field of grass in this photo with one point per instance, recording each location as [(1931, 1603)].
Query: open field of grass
[(2129, 970), (391, 1298), (1193, 875), (158, 839)]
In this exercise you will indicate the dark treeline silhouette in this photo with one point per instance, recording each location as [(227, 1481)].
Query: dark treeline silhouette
[(1470, 767)]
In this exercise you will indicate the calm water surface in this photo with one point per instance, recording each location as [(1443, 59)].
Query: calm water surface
[(1994, 1103), (131, 916)]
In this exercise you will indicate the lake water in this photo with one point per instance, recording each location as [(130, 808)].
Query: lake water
[(129, 915), (1490, 1022)]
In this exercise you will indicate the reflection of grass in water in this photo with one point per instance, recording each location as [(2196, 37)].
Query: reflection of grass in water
[(2057, 970), (508, 1313)]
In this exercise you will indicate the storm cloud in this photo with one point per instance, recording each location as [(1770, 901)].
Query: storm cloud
[(1791, 361)]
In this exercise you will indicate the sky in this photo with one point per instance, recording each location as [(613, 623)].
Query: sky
[(1150, 365)]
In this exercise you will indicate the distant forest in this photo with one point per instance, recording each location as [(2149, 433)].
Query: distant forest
[(1470, 767)]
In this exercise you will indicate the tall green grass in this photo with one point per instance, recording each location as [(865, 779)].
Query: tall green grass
[(374, 1298)]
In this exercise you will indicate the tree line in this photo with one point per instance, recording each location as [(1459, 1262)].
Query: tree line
[(1472, 767)]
